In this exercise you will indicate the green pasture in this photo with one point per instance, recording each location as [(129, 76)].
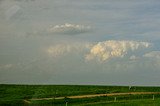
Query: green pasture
[(16, 94)]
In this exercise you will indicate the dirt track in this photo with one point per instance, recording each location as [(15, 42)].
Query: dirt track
[(96, 95)]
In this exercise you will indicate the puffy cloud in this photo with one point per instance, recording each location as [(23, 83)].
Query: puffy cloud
[(113, 48), (69, 29), (153, 54)]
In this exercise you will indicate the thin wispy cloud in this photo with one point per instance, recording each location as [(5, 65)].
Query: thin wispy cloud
[(60, 50), (6, 66), (153, 54)]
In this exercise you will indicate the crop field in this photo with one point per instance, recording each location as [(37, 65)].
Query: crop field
[(78, 95)]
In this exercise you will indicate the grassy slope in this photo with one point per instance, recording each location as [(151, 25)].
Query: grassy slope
[(98, 101), (16, 93), (144, 102)]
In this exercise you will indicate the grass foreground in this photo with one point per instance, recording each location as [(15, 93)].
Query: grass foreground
[(26, 95)]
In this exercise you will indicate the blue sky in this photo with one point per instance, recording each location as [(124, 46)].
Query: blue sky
[(102, 42)]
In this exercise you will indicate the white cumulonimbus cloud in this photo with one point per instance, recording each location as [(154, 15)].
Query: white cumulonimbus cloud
[(69, 29), (114, 48), (101, 51)]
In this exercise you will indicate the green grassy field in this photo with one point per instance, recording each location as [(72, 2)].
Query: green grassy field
[(141, 102), (16, 94)]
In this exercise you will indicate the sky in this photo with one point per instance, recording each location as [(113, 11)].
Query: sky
[(80, 42)]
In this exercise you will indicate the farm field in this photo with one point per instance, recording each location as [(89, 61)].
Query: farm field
[(79, 95)]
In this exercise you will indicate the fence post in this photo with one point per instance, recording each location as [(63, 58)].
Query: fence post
[(66, 103), (115, 99), (153, 97)]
